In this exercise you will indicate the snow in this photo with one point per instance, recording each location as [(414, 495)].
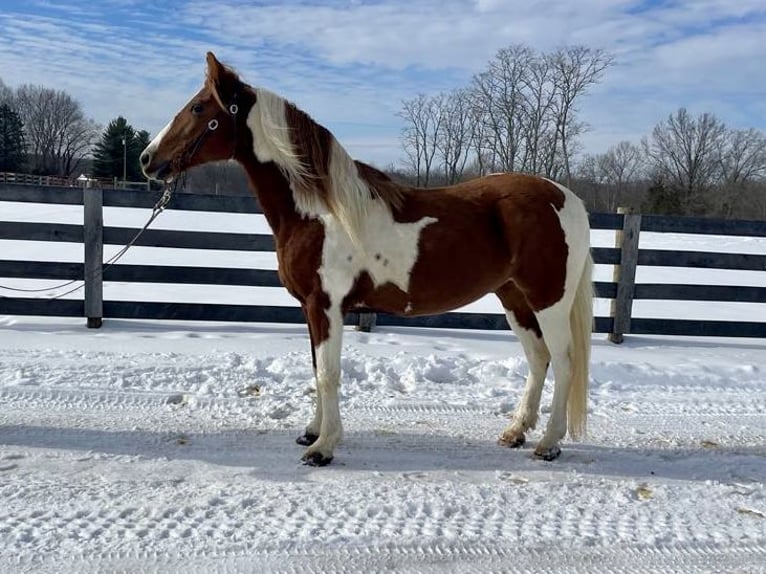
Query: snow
[(150, 446)]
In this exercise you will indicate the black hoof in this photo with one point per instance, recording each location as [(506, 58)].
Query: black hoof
[(548, 454), (512, 442), (307, 439), (316, 459)]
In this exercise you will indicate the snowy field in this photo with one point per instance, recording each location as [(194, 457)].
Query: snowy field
[(168, 446)]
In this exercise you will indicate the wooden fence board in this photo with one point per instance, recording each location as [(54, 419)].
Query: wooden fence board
[(42, 307), (41, 270), (182, 201), (28, 231), (704, 226), (202, 312), (40, 194), (676, 292), (684, 327), (190, 239), (702, 259), (192, 275)]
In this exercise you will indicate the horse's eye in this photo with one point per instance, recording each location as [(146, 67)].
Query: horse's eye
[(197, 108)]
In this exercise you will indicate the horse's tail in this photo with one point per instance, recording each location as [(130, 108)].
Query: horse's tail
[(581, 325)]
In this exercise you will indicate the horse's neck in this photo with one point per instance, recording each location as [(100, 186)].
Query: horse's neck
[(272, 190)]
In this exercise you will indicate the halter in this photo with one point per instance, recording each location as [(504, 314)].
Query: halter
[(212, 125)]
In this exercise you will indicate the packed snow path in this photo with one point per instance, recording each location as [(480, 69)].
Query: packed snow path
[(161, 447)]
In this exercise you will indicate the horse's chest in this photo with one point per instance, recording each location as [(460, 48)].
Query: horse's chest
[(386, 250)]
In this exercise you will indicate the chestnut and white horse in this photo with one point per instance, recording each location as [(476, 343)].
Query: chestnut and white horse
[(349, 238)]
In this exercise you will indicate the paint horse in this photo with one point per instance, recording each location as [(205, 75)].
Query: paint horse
[(349, 238)]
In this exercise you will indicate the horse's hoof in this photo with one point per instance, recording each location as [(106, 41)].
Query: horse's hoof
[(316, 459), (548, 454), (512, 440), (307, 439)]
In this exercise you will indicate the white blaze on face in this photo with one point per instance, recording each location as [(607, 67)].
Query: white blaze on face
[(155, 143)]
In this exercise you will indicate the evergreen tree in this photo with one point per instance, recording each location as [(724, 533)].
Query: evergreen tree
[(118, 150), (12, 144)]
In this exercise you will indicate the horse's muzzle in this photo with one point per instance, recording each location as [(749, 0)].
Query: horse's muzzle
[(159, 172)]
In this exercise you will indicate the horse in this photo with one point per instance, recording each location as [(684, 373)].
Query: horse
[(350, 238)]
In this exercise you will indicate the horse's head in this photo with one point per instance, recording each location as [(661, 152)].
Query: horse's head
[(204, 130)]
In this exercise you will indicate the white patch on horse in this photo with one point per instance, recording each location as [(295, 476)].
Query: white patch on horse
[(327, 417), (155, 143), (574, 222), (388, 251), (383, 247)]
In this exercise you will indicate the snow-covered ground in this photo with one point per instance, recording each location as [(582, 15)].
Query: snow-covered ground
[(168, 446)]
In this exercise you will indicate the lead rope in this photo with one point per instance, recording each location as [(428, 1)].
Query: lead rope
[(158, 208)]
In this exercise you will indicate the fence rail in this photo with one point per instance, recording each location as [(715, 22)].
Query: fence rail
[(623, 290), (29, 179)]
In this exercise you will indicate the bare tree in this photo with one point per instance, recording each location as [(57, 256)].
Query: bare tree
[(57, 132), (499, 93), (521, 112), (621, 166), (539, 112), (576, 69), (424, 117), (455, 139), (6, 95), (685, 153), (742, 162)]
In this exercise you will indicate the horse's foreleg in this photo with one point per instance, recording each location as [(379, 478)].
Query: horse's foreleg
[(538, 357), (311, 434), (327, 331)]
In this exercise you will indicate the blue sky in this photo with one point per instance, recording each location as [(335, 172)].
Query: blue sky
[(350, 63)]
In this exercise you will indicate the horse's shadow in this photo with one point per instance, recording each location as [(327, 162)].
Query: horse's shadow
[(273, 455)]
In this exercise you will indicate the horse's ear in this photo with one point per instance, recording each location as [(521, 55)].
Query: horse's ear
[(221, 80), (212, 64)]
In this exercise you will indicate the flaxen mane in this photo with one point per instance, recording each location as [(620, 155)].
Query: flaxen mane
[(322, 175)]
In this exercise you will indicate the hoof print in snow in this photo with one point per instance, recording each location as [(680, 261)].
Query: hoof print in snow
[(548, 453), (250, 391), (307, 439), (179, 400), (316, 459), (512, 441)]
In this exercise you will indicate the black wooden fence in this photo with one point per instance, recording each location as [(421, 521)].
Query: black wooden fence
[(623, 290)]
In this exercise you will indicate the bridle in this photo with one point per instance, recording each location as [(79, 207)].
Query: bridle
[(212, 125)]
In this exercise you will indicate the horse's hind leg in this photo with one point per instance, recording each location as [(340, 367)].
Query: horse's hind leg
[(526, 328), (556, 329)]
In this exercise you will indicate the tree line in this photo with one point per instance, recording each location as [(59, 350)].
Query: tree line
[(687, 165), (45, 131), (521, 114)]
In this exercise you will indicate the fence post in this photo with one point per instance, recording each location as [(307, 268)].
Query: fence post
[(626, 240), (93, 222), (366, 322)]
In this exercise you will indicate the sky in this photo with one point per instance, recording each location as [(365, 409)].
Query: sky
[(351, 63)]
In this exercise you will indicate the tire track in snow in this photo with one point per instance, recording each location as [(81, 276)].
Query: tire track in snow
[(229, 500), (690, 559)]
